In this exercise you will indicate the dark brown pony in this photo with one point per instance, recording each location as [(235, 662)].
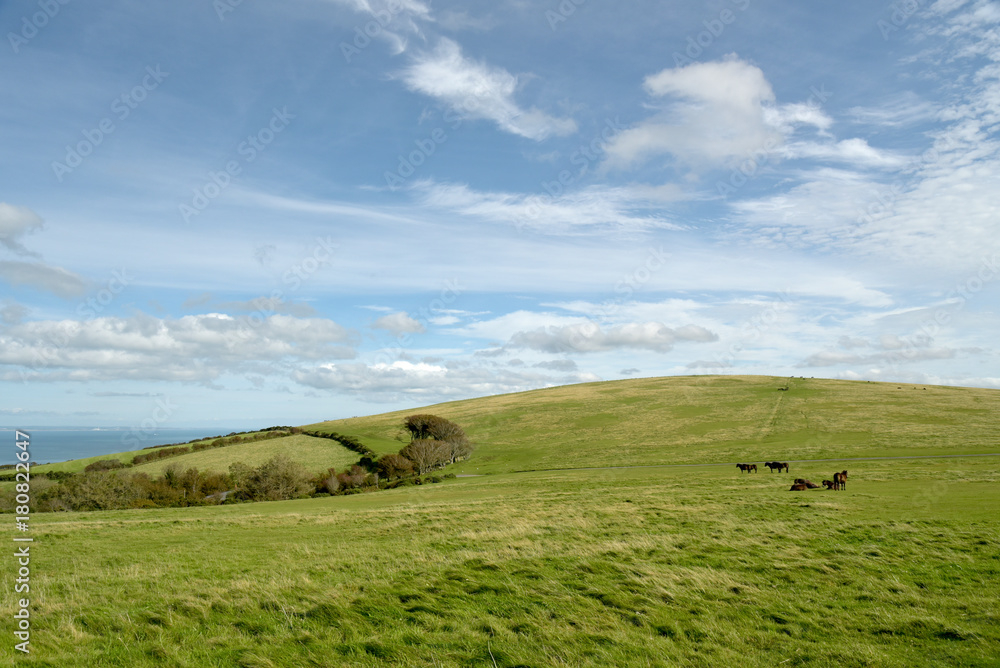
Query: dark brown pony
[(746, 468), (776, 465), (840, 480), (828, 484)]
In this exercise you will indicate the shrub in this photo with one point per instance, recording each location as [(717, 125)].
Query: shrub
[(277, 479), (103, 465), (394, 466)]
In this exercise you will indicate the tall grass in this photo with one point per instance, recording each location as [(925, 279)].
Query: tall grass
[(672, 567)]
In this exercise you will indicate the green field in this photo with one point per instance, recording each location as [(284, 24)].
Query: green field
[(700, 419), (659, 566), (316, 454)]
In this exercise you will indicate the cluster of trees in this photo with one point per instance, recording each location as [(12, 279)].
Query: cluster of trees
[(104, 486), (107, 484), (435, 442)]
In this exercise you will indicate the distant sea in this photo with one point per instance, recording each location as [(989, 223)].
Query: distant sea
[(58, 445)]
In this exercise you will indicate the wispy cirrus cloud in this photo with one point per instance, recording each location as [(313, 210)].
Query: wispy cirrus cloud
[(477, 90)]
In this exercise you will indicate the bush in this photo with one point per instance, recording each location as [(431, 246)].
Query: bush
[(103, 465), (394, 466), (277, 479)]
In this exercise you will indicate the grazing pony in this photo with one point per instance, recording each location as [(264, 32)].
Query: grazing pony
[(777, 465), (746, 468)]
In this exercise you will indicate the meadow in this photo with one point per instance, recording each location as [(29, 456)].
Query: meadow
[(663, 565)]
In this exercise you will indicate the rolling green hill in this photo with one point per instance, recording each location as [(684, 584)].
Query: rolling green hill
[(704, 419), (651, 421), (695, 566)]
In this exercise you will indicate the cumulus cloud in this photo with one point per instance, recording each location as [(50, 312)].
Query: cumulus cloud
[(717, 116), (192, 348), (399, 323), (589, 337), (478, 90), (723, 113)]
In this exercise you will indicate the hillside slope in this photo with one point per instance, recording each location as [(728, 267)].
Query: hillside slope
[(704, 419)]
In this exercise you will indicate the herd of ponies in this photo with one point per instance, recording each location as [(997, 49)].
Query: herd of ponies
[(801, 484)]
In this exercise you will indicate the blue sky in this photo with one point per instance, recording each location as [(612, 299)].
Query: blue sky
[(249, 213)]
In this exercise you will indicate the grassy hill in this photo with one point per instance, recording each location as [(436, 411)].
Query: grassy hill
[(673, 420), (702, 419), (694, 566)]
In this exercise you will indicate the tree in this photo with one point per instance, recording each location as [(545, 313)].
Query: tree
[(394, 466), (278, 478), (418, 425), (426, 454)]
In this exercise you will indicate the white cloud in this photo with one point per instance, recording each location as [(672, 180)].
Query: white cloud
[(424, 382), (855, 152), (43, 276), (16, 222), (393, 18), (191, 348), (592, 207), (589, 337), (267, 306), (399, 323), (477, 90), (717, 117)]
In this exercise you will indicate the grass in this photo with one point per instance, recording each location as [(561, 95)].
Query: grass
[(701, 419), (316, 454), (666, 565), (694, 566)]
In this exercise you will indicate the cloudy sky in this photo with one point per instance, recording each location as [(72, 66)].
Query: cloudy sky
[(247, 213)]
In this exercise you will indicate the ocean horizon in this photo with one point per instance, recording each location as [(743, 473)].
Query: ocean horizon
[(55, 444)]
